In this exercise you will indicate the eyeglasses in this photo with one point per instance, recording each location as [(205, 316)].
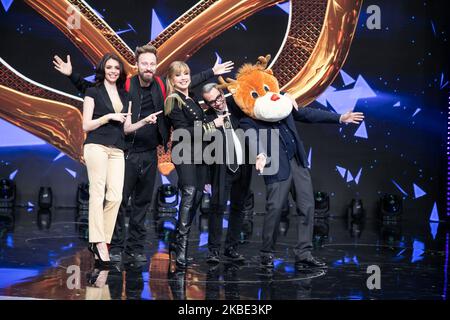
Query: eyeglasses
[(216, 101)]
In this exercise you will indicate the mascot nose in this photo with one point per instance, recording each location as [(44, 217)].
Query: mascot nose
[(274, 97)]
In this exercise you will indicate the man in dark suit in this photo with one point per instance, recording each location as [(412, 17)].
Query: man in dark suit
[(230, 179), (293, 169)]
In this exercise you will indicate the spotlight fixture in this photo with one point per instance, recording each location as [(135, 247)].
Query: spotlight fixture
[(167, 201), (321, 204), (205, 205), (45, 199), (7, 193), (391, 207), (44, 219), (355, 210)]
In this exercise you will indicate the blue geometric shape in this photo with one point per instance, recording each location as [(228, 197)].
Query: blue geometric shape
[(164, 179), (6, 4), (157, 26), (243, 26), (397, 104), (322, 99), (342, 171), (343, 100), (363, 88), (169, 225), (161, 245), (434, 216), (309, 158), (10, 241), (443, 85), (285, 6), (362, 131), (434, 228), (90, 78), (60, 155), (224, 224), (30, 205), (13, 174), (17, 137), (346, 78), (358, 176), (203, 239), (418, 192), (11, 276), (416, 112), (399, 188), (418, 251), (72, 173), (98, 13), (349, 176), (218, 58)]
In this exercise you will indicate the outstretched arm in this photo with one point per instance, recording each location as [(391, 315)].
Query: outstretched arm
[(65, 67), (216, 70)]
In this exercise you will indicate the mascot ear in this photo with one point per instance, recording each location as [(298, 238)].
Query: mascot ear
[(232, 88), (230, 84), (269, 71)]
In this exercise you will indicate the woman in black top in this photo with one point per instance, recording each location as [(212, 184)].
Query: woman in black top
[(104, 114), (185, 114)]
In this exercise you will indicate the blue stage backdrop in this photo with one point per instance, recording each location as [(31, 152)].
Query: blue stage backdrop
[(396, 74)]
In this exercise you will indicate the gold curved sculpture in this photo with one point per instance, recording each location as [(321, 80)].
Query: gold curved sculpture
[(318, 39)]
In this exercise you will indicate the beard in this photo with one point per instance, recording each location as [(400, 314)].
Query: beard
[(146, 76)]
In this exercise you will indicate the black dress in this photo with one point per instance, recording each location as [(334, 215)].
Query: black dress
[(191, 169)]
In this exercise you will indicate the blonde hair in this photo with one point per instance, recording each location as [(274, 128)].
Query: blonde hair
[(173, 97)]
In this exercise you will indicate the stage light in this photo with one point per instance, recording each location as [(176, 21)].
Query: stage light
[(45, 199), (205, 205), (203, 223), (83, 197), (44, 218), (321, 229), (321, 204), (356, 227), (391, 207), (356, 210), (7, 193), (167, 201), (7, 221)]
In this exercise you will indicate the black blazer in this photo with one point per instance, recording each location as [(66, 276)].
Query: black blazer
[(111, 133), (188, 117), (310, 115)]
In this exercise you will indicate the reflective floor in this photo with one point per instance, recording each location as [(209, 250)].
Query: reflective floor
[(43, 255)]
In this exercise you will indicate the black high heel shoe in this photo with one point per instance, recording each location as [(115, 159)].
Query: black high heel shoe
[(99, 263)]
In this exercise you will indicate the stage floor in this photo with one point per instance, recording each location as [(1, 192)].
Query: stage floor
[(43, 255)]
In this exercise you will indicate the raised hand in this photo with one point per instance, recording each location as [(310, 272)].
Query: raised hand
[(152, 118), (64, 67), (218, 122), (352, 117), (221, 68), (121, 117)]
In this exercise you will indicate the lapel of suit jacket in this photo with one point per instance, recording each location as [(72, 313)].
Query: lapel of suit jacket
[(106, 99)]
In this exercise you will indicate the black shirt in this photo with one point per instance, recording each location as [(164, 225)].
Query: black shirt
[(146, 137)]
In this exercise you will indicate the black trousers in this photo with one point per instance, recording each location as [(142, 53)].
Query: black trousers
[(277, 194), (237, 185), (140, 176)]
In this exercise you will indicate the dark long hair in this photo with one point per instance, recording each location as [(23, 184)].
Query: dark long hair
[(100, 71)]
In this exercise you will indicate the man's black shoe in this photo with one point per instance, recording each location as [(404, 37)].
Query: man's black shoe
[(231, 254), (267, 261), (213, 257), (136, 257), (309, 262)]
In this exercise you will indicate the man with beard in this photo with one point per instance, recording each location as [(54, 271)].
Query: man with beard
[(147, 93)]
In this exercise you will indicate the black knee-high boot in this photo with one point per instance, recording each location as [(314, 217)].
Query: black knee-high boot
[(185, 217)]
